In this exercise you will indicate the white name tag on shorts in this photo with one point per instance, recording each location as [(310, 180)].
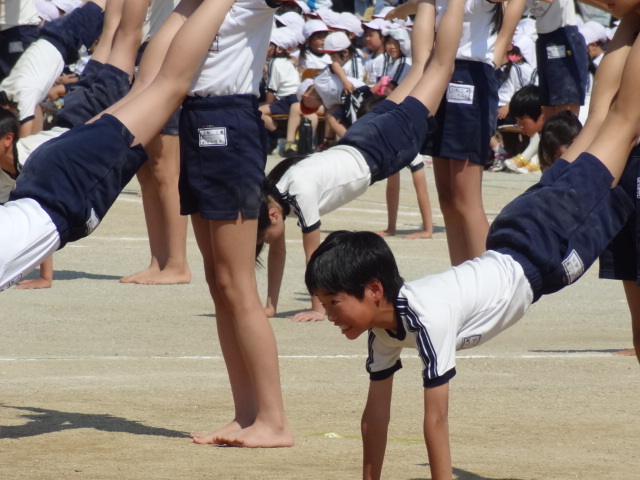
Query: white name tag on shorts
[(15, 47), (457, 93), (212, 137), (470, 342), (556, 51), (573, 266), (92, 222)]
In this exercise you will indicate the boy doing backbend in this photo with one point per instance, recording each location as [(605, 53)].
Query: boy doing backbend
[(542, 241), (378, 145)]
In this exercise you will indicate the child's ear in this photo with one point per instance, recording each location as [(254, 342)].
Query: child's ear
[(375, 289), (7, 139), (274, 214)]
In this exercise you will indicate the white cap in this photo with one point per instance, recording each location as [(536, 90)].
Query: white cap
[(47, 11), (67, 6), (313, 26), (329, 17), (303, 6), (284, 37), (351, 23), (336, 42), (290, 19), (383, 12), (303, 87), (527, 48), (399, 32), (377, 24), (593, 32)]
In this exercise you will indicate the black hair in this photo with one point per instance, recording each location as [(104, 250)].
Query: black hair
[(6, 102), (269, 189), (9, 123), (347, 261), (369, 104), (497, 17), (526, 102), (558, 131)]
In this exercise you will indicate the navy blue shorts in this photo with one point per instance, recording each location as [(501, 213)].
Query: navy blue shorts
[(467, 115), (558, 227), (223, 155), (563, 65), (69, 33), (283, 105), (98, 88), (13, 42), (76, 177), (389, 136), (619, 261)]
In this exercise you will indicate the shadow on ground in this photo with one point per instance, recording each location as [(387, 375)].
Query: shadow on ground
[(42, 421)]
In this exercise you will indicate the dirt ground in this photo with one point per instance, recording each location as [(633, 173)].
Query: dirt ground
[(102, 380)]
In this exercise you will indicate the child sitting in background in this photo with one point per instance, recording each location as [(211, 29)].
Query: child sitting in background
[(312, 53), (282, 77), (526, 108)]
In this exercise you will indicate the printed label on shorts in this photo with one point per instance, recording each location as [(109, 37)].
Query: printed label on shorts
[(573, 267), (92, 223), (15, 47), (556, 51), (212, 137), (638, 188), (470, 342), (215, 46), (14, 281), (457, 93)]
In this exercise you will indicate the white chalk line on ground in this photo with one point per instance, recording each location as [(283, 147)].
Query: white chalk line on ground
[(528, 356)]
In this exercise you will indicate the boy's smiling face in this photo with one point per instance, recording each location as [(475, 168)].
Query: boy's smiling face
[(354, 316)]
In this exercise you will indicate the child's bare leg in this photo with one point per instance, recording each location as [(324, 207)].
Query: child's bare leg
[(269, 122), (393, 201), (632, 292), (129, 36), (112, 16), (459, 187), (43, 281), (167, 229), (293, 121), (146, 112), (248, 342), (338, 128), (620, 129), (424, 205), (606, 84)]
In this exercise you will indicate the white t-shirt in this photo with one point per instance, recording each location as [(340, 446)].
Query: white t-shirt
[(323, 182), (459, 308), (375, 67), (329, 87), (520, 75), (282, 77), (399, 69), (354, 68), (476, 41), (311, 60), (234, 63), (158, 12), (33, 76), (18, 12), (552, 16)]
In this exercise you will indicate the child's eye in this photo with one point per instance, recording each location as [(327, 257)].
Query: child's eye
[(334, 302)]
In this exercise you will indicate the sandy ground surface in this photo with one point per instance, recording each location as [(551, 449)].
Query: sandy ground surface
[(101, 380)]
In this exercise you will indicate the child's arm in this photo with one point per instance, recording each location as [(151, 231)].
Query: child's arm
[(310, 243), (374, 425), (275, 272), (436, 431), (45, 279), (606, 83), (337, 69), (512, 15)]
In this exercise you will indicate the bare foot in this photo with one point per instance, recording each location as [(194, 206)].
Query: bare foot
[(258, 435), (34, 284), (204, 438), (386, 233), (168, 276), (420, 234), (630, 352), (310, 316), (150, 270)]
